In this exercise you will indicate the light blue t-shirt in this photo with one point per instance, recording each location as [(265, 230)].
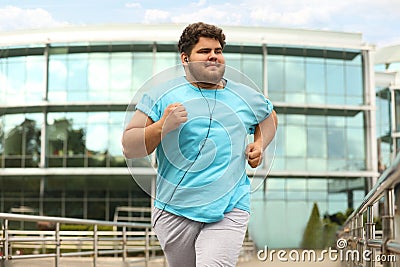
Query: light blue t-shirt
[(202, 178)]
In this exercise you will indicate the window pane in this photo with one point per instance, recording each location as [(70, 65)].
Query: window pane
[(165, 61), (335, 82), (78, 72), (336, 143), (315, 81), (316, 142), (35, 84), (294, 74), (99, 76), (253, 68), (276, 78), (58, 75), (21, 135), (397, 110), (296, 141), (142, 68)]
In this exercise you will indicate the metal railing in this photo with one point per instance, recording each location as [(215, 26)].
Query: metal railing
[(133, 242), (360, 244)]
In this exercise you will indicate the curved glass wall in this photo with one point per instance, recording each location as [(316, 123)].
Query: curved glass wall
[(388, 116), (397, 110), (20, 140), (320, 143), (85, 139), (97, 77), (112, 73), (316, 80), (383, 128), (22, 79), (291, 200)]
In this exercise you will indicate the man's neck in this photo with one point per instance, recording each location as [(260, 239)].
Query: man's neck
[(210, 86)]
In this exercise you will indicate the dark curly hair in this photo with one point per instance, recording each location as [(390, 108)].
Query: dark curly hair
[(192, 33)]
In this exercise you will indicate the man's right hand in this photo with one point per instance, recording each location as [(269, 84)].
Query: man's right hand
[(173, 116)]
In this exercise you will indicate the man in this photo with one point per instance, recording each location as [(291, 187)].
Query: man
[(198, 126)]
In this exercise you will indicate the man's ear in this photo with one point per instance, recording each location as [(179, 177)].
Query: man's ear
[(184, 58)]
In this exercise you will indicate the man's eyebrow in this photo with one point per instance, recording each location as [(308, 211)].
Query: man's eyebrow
[(208, 48)]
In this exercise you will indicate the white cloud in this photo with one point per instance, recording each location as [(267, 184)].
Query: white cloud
[(156, 16), (133, 5), (12, 17), (218, 14), (294, 13), (200, 3)]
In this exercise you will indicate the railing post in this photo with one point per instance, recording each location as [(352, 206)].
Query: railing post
[(5, 242), (354, 239), (58, 245), (388, 224), (360, 236), (370, 234), (95, 243), (147, 258), (124, 244)]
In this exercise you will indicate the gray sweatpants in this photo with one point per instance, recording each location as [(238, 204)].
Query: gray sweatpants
[(188, 243)]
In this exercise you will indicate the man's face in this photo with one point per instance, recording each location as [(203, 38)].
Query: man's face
[(206, 61)]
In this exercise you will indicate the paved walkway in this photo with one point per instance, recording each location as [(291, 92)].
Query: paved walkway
[(112, 262)]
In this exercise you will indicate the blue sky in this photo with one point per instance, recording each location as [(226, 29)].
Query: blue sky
[(377, 20)]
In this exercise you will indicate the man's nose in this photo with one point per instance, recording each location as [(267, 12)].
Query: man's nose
[(212, 56)]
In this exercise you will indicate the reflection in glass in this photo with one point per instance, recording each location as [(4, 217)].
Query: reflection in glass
[(252, 66), (397, 109), (101, 76), (302, 79), (316, 142), (336, 142), (165, 60), (276, 85), (296, 141), (315, 81), (86, 140), (21, 139), (285, 200), (24, 79), (320, 143), (249, 64), (294, 74), (142, 69)]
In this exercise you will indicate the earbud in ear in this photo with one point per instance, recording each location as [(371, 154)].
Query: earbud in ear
[(186, 59)]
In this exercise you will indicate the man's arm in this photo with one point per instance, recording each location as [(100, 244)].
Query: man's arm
[(142, 135), (263, 135)]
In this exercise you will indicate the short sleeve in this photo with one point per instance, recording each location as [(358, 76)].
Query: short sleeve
[(269, 108), (262, 108), (149, 106)]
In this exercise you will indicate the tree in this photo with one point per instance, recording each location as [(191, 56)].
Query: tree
[(312, 237)]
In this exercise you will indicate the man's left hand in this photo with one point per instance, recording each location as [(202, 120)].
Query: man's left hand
[(254, 154)]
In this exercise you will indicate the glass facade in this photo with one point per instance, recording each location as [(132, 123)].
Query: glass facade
[(63, 109), (320, 143), (22, 79), (316, 80), (289, 200), (388, 114), (74, 139)]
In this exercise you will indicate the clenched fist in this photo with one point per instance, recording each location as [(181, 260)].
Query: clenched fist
[(254, 154), (173, 116)]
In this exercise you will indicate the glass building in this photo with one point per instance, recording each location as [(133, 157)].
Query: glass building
[(387, 61), (64, 92)]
